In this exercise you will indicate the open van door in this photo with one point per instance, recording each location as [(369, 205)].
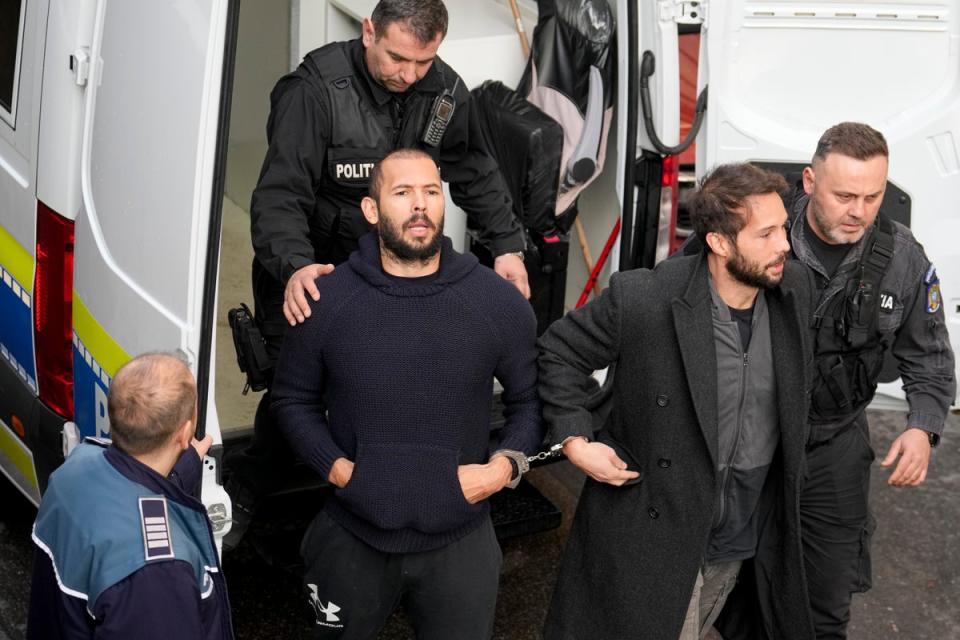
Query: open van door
[(152, 165), (649, 124), (780, 74)]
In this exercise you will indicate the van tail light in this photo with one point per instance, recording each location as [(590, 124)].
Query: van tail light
[(669, 190), (53, 310)]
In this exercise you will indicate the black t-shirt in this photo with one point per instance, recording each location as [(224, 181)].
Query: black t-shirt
[(829, 255), (744, 318)]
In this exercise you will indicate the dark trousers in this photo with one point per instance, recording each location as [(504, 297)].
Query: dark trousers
[(353, 588), (264, 465), (837, 526)]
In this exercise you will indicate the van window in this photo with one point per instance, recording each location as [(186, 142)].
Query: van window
[(11, 23)]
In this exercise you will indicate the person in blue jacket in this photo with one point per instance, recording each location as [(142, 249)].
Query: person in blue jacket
[(125, 548)]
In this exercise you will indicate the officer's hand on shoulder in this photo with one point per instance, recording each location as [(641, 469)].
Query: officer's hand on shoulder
[(510, 267), (296, 308)]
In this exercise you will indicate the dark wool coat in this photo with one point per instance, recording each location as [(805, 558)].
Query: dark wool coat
[(634, 551)]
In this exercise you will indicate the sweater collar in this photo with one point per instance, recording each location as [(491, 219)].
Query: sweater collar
[(366, 262)]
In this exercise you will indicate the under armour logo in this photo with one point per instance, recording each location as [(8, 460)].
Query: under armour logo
[(330, 610)]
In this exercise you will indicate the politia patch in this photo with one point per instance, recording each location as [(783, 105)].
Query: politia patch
[(934, 298)]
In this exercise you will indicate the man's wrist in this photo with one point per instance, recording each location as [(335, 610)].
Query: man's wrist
[(294, 264), (932, 437), (573, 439), (515, 254), (519, 464)]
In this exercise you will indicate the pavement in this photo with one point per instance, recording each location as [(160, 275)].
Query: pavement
[(916, 561)]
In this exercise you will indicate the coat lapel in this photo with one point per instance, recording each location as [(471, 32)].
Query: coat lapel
[(786, 337), (693, 321)]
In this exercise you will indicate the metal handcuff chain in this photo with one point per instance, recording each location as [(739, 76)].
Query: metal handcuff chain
[(553, 452)]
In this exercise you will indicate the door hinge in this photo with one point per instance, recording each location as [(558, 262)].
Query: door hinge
[(683, 11)]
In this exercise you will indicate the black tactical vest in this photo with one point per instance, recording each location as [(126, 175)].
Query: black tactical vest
[(361, 134), (849, 345)]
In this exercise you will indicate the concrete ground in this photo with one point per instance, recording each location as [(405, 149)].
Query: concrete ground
[(916, 592)]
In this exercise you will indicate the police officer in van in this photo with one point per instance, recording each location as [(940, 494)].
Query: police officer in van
[(878, 293), (342, 110)]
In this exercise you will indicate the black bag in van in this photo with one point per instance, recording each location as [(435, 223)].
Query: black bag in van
[(251, 348)]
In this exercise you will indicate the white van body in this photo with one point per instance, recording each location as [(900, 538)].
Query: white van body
[(116, 129), (115, 119)]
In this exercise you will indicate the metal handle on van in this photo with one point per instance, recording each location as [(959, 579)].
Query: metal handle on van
[(647, 68)]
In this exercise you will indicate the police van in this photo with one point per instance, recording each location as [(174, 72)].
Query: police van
[(131, 134)]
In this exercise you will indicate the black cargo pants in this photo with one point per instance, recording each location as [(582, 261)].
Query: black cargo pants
[(264, 465), (837, 526)]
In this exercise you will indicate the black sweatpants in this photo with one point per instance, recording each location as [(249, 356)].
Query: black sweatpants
[(353, 588), (837, 526)]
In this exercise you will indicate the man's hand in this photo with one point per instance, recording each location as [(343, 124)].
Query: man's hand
[(302, 282), (480, 481), (598, 461), (913, 448), (340, 472), (202, 446), (511, 269)]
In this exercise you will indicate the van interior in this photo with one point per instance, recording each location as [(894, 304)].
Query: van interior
[(481, 44)]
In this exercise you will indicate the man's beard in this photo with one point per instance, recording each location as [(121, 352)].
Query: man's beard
[(392, 239), (751, 274), (832, 233)]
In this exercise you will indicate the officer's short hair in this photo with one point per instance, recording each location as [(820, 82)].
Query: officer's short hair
[(424, 18), (150, 398), (376, 174), (717, 205), (853, 139)]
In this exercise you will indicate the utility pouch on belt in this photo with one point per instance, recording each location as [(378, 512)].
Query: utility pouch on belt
[(251, 350)]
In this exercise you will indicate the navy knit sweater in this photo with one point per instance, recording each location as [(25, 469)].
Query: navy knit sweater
[(405, 368)]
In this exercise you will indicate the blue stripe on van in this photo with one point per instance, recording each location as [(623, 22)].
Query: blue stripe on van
[(90, 384), (16, 329)]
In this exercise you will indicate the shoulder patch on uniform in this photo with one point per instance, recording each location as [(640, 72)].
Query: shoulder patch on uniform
[(887, 301), (155, 525), (934, 298)]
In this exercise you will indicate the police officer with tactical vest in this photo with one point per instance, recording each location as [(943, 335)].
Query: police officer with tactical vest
[(342, 110), (878, 293)]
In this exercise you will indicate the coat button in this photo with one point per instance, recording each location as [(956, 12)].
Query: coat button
[(653, 513), (663, 463), (662, 400)]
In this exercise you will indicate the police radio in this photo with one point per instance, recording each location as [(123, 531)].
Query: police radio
[(440, 115)]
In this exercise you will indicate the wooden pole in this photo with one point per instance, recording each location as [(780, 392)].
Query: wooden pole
[(524, 43)]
